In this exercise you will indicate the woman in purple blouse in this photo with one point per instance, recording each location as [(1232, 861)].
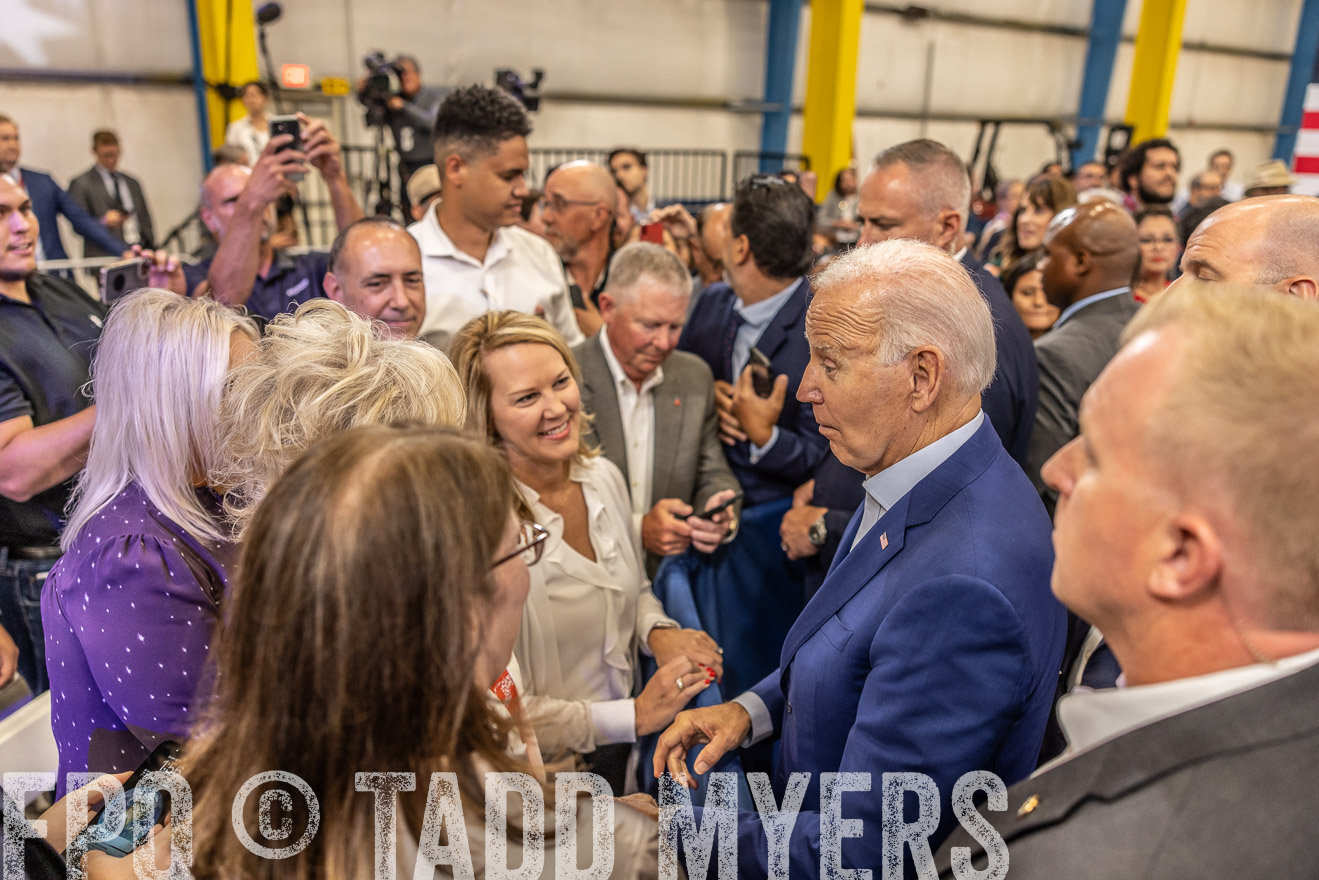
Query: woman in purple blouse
[(130, 608)]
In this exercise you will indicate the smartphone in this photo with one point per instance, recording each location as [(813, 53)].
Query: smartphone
[(652, 232), (288, 125), (706, 514), (762, 378), (122, 278), (165, 757)]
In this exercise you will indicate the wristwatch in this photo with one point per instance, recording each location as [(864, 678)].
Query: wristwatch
[(818, 533)]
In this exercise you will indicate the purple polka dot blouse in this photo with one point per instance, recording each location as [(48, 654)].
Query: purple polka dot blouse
[(129, 612)]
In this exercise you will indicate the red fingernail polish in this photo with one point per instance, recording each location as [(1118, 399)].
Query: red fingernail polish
[(708, 680)]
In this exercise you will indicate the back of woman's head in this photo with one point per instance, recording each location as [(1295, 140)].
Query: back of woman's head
[(317, 372), (350, 642), (157, 378)]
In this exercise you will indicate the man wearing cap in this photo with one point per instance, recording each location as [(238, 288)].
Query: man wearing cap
[(423, 190), (1271, 179)]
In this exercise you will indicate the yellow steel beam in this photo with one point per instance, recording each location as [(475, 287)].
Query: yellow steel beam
[(831, 87), (1154, 67), (228, 47)]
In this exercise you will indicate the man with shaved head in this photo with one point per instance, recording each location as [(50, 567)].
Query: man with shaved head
[(1266, 241), (578, 211), (1091, 252)]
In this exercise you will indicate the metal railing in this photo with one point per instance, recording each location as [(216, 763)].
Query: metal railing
[(749, 162)]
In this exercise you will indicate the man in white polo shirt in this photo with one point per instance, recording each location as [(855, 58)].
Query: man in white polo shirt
[(475, 258)]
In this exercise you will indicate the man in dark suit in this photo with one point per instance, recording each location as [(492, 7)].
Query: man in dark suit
[(1091, 253), (113, 197), (772, 446), (922, 190), (653, 408), (1185, 531), (49, 201), (933, 645)]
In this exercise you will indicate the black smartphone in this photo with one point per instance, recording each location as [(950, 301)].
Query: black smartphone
[(288, 125), (122, 278), (706, 514), (762, 377), (165, 757)]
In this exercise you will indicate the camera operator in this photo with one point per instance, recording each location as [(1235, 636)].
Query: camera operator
[(409, 113)]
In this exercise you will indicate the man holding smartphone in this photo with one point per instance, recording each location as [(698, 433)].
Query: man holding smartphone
[(654, 407), (238, 206)]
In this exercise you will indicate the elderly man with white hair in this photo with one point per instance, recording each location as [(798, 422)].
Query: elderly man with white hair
[(933, 645), (654, 407)]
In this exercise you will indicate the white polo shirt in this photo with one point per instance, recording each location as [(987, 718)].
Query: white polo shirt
[(521, 271)]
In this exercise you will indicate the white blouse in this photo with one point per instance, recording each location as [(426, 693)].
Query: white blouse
[(584, 621), (242, 133)]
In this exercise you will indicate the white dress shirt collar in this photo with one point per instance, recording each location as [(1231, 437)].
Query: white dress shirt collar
[(621, 378), (1089, 718), (887, 487), (435, 243)]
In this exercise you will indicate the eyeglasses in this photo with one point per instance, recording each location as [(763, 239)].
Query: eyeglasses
[(559, 204), (531, 545)]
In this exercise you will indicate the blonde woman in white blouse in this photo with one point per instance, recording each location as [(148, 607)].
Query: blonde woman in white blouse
[(591, 609)]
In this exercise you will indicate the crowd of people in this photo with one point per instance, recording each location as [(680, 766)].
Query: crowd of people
[(1012, 493)]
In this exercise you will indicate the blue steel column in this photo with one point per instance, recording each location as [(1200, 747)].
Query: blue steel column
[(199, 85), (1298, 79), (780, 64), (1100, 53)]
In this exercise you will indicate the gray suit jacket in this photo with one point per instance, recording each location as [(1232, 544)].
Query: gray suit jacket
[(688, 459), (1071, 357), (1223, 791), (89, 192)]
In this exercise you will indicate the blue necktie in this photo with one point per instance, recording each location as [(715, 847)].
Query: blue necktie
[(730, 338)]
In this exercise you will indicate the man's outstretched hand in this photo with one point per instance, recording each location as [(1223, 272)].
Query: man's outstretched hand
[(722, 728)]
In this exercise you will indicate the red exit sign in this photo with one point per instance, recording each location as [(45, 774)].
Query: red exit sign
[(295, 76)]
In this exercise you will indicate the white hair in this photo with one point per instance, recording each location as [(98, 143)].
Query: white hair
[(159, 371), (642, 260), (924, 297)]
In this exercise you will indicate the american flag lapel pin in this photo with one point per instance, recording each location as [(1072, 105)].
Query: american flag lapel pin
[(883, 541)]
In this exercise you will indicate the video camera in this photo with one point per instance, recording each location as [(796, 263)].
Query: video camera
[(382, 83)]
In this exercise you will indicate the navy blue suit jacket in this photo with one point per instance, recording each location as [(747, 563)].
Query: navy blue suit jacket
[(933, 647), (1009, 403), (48, 201), (1010, 399), (792, 459)]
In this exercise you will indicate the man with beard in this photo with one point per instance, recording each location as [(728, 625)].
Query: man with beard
[(578, 211), (1149, 173)]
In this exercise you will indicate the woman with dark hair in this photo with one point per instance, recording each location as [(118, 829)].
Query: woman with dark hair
[(1043, 199), (1024, 282), (1160, 250), (252, 132), (378, 598)]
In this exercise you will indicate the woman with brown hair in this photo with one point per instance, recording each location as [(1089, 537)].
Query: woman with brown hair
[(1044, 197), (378, 597), (591, 608)]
